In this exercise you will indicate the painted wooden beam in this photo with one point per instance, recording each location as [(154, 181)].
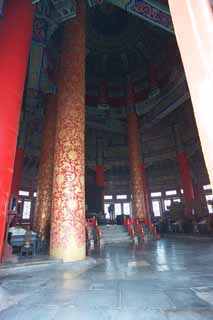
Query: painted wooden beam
[(150, 10)]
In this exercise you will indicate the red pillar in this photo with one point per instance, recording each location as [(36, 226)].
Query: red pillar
[(193, 23), (186, 180), (145, 194), (100, 175), (100, 181), (15, 39), (103, 101), (184, 171), (17, 171)]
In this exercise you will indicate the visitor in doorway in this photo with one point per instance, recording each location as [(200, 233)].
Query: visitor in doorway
[(111, 211)]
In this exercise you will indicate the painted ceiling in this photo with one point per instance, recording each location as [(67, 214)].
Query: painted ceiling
[(119, 44)]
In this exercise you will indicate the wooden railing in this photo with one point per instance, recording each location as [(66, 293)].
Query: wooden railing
[(88, 237), (135, 224), (154, 232), (151, 227), (138, 227), (130, 228), (92, 222)]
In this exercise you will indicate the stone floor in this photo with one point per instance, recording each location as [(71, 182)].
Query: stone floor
[(165, 280)]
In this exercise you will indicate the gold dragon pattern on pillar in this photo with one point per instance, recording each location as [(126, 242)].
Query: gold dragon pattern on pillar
[(67, 239)]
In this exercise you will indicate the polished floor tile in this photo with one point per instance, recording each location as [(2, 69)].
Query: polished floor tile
[(164, 280)]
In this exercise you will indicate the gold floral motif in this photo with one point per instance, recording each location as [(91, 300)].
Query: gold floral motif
[(44, 189), (67, 239), (73, 155), (135, 166), (60, 179)]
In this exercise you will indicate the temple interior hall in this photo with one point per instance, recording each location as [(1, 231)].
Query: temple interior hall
[(106, 159)]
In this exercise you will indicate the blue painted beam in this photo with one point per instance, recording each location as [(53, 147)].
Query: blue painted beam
[(1, 7), (149, 10)]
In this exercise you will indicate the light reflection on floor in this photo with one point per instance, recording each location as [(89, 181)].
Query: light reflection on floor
[(164, 280)]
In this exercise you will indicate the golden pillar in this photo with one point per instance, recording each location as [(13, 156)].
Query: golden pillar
[(67, 240), (134, 157), (41, 223)]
